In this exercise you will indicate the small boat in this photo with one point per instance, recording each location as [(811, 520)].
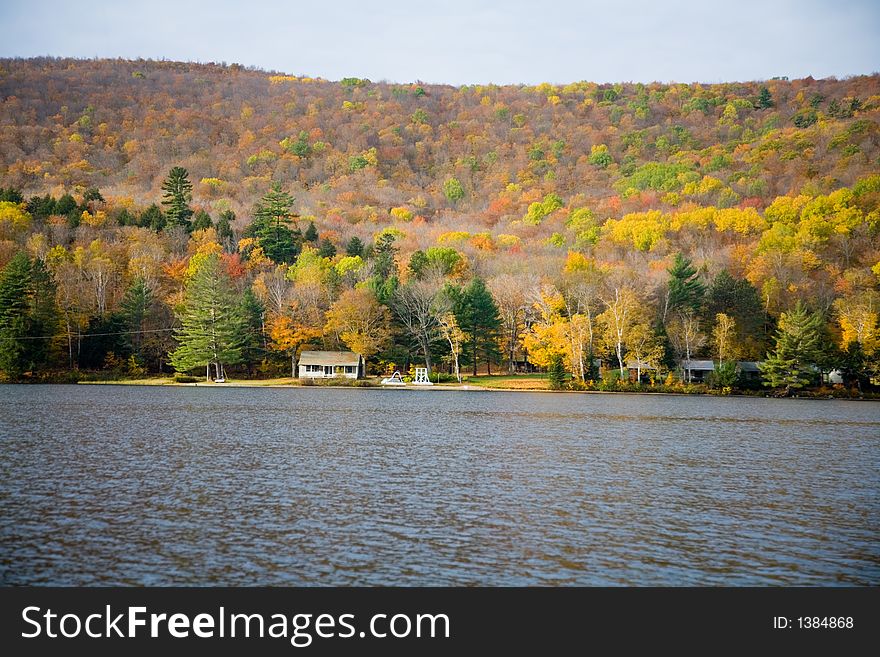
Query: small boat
[(393, 380), (220, 380)]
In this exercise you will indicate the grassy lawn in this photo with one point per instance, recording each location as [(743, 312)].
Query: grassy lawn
[(151, 381), (514, 382)]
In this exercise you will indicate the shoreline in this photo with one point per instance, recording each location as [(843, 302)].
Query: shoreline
[(275, 383)]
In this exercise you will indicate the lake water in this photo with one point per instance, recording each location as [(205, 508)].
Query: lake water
[(314, 486)]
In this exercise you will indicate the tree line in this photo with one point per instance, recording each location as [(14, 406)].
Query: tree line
[(186, 292)]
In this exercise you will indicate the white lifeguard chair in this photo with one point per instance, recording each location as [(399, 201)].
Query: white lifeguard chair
[(422, 377)]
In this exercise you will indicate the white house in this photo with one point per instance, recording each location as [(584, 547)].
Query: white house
[(330, 364)]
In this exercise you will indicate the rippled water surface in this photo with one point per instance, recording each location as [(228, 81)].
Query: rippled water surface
[(246, 486)]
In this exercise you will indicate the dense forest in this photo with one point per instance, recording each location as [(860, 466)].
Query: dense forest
[(161, 215)]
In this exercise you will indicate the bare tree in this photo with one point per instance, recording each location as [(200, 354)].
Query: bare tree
[(413, 305), (512, 294), (686, 337)]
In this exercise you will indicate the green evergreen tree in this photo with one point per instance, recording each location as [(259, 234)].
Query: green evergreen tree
[(15, 282), (765, 99), (384, 257), (92, 196), (202, 220), (177, 196), (685, 289), (739, 299), (136, 305), (65, 205), (44, 315), (311, 234), (11, 195), (355, 247), (212, 328), (124, 218), (253, 348), (28, 315), (272, 216), (225, 234), (854, 365), (153, 218), (41, 207), (326, 249), (798, 343), (478, 317), (556, 373)]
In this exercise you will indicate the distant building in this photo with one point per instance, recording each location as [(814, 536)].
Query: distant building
[(638, 370), (748, 370), (697, 371), (330, 364)]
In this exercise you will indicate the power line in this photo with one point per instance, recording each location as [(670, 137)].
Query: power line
[(84, 335)]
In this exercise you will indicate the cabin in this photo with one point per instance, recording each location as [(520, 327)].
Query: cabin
[(748, 370), (639, 371), (330, 364), (697, 371)]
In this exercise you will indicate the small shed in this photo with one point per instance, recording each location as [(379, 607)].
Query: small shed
[(330, 364)]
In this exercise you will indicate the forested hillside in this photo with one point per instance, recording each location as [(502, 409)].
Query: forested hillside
[(506, 227)]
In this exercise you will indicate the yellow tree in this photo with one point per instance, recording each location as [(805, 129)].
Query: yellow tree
[(454, 336), (857, 315), (287, 337), (724, 335), (622, 314), (686, 338), (546, 341), (360, 322), (546, 338), (644, 347)]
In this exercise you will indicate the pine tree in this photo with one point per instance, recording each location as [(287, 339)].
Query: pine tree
[(15, 282), (477, 315), (556, 373), (176, 198), (253, 348), (28, 315), (44, 317), (311, 234), (739, 299), (384, 257), (685, 289), (765, 100), (272, 216), (326, 249), (798, 343), (212, 327), (355, 247), (201, 221), (225, 234), (153, 217), (135, 308)]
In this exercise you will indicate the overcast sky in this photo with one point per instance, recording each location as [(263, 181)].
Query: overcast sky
[(467, 41)]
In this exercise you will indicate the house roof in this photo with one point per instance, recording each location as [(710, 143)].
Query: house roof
[(329, 358), (747, 366), (702, 365)]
